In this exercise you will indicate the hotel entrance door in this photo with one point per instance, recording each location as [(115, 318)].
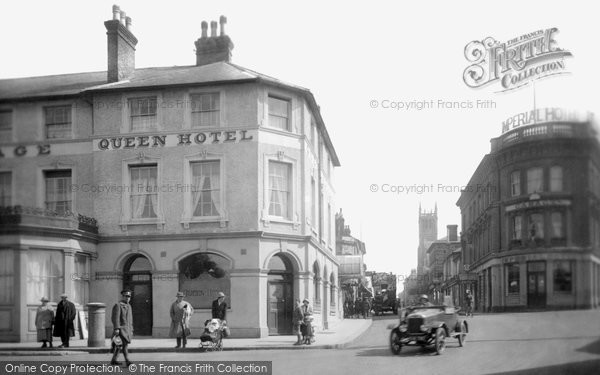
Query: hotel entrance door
[(280, 297), (536, 284), (280, 309), (138, 279)]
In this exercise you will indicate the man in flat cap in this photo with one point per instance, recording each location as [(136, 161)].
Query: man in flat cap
[(64, 326), (219, 307), (122, 320), (181, 312)]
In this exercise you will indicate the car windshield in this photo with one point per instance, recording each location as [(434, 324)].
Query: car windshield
[(426, 308), (421, 309)]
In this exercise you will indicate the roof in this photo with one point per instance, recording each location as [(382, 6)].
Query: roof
[(78, 83), (443, 244), (48, 86), (146, 78)]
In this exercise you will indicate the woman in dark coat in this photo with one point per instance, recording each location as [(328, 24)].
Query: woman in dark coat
[(64, 326), (44, 318), (219, 307)]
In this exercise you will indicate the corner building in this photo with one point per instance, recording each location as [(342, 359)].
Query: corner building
[(531, 216), (202, 178)]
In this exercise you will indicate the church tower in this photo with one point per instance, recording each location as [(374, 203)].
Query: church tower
[(428, 223)]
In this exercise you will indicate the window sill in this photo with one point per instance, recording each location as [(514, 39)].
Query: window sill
[(160, 223), (279, 130), (205, 220), (55, 139), (279, 220)]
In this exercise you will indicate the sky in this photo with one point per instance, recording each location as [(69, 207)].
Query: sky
[(356, 58)]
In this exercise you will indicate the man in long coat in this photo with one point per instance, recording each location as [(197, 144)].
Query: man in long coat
[(181, 312), (64, 326), (122, 320)]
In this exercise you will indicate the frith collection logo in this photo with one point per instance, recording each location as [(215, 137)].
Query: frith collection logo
[(515, 63)]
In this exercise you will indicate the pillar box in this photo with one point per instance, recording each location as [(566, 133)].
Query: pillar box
[(96, 322)]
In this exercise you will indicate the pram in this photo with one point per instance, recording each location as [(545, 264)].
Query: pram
[(212, 337)]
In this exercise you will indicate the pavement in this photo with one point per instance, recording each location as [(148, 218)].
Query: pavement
[(336, 337)]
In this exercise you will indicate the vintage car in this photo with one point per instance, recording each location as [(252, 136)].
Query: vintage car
[(428, 326), (385, 301)]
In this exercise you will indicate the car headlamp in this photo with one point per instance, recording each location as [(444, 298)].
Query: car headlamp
[(423, 328)]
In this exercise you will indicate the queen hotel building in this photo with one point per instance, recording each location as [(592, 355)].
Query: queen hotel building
[(531, 216), (201, 178)]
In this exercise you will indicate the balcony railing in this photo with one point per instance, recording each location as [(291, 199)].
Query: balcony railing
[(43, 218), (542, 131)]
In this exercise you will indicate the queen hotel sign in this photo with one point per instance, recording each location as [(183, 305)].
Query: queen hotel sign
[(133, 142), (169, 140), (515, 63)]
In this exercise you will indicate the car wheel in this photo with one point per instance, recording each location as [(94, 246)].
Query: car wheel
[(462, 337), (395, 344), (440, 340)]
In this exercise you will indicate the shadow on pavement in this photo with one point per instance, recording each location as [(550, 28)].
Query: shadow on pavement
[(593, 348), (576, 368), (412, 351), (562, 338)]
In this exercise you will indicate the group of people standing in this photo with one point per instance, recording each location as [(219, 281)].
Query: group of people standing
[(302, 319), (60, 324), (355, 309), (181, 312)]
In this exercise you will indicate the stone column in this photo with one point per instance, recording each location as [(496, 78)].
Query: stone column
[(96, 323), (248, 315), (69, 272), (20, 331)]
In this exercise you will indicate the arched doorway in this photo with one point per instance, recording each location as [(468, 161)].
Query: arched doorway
[(280, 296), (137, 277), (202, 276)]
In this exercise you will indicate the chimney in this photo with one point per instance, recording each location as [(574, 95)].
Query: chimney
[(214, 48), (452, 233), (121, 46)]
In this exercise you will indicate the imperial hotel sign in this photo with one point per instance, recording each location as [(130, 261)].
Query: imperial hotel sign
[(230, 192)]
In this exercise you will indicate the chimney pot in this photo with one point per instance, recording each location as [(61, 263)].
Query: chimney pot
[(223, 21), (116, 12), (214, 48), (204, 26), (121, 46), (213, 29)]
